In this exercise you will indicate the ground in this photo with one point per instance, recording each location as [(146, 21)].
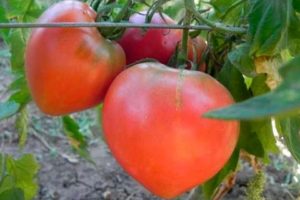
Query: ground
[(65, 176)]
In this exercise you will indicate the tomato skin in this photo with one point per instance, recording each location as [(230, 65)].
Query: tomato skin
[(158, 44), (153, 124), (70, 69)]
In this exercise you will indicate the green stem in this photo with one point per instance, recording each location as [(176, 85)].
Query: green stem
[(2, 167), (191, 7), (183, 54)]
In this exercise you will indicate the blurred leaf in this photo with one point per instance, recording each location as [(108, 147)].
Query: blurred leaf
[(20, 91), (259, 86), (289, 128), (242, 61), (22, 126), (7, 109), (76, 138), (23, 172), (294, 32), (249, 140), (3, 19), (283, 100), (233, 80), (296, 5), (230, 11), (269, 24), (22, 10), (211, 185), (12, 194)]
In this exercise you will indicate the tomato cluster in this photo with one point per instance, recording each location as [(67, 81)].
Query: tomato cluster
[(152, 115)]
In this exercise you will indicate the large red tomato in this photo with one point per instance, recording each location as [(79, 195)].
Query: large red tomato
[(153, 124), (158, 44), (70, 69)]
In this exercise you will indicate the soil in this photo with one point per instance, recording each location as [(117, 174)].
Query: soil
[(65, 176)]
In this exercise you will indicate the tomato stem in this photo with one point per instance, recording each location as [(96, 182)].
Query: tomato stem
[(191, 7)]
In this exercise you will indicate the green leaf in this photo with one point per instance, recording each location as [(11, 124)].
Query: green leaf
[(264, 131), (296, 5), (289, 128), (76, 138), (22, 126), (7, 109), (269, 22), (211, 185), (249, 140), (242, 61), (293, 37), (229, 11), (12, 194), (24, 172), (20, 91), (259, 86), (233, 80), (285, 99), (3, 19), (22, 10)]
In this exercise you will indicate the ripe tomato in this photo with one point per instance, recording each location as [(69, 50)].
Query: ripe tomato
[(70, 69), (153, 124), (158, 44)]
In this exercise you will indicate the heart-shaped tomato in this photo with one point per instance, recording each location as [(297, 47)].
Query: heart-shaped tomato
[(153, 124)]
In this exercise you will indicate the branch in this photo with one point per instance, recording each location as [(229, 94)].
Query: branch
[(214, 26)]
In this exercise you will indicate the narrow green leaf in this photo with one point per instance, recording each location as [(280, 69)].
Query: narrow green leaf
[(242, 61), (76, 138), (210, 186), (283, 100), (289, 128), (24, 171), (12, 194), (268, 30), (7, 109)]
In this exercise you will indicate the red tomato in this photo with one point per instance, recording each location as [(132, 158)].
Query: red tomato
[(153, 124), (158, 44), (70, 69)]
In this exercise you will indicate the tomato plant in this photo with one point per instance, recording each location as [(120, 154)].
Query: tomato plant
[(69, 70), (171, 129), (161, 134)]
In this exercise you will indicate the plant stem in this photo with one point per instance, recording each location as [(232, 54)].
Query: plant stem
[(2, 166), (191, 7), (183, 54)]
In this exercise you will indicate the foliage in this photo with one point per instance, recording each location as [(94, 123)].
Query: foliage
[(259, 66)]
